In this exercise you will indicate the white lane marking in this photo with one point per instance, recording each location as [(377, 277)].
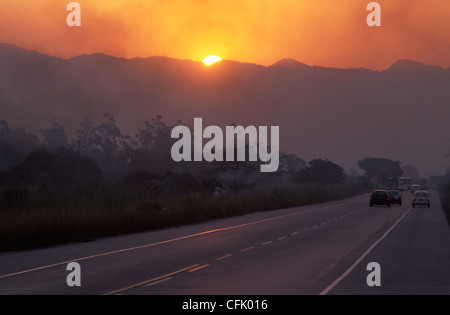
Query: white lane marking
[(356, 263), (151, 280), (224, 257), (157, 282), (174, 239), (198, 268)]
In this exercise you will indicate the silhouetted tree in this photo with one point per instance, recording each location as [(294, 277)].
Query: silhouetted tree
[(109, 136), (15, 144), (58, 169), (410, 171), (321, 172), (238, 175), (379, 168), (8, 152), (113, 151), (54, 137), (353, 173), (209, 185), (155, 143), (290, 163), (100, 141), (182, 182), (88, 138), (156, 135), (4, 130)]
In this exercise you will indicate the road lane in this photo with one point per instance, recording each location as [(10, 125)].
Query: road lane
[(414, 258), (304, 262), (293, 251), (364, 255)]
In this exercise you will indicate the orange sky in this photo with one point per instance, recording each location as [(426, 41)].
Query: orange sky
[(316, 32)]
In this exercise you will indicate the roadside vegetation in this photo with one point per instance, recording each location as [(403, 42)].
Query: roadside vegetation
[(105, 183), (444, 191), (89, 212)]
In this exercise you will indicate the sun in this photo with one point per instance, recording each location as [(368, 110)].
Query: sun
[(211, 59)]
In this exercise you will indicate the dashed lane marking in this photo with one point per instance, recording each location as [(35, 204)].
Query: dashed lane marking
[(157, 282), (198, 268), (150, 281), (224, 257)]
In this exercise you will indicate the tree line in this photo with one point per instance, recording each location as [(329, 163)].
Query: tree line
[(102, 153)]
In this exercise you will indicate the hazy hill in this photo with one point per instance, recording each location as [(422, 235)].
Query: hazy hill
[(401, 113)]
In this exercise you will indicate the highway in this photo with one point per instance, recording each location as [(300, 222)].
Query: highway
[(316, 249)]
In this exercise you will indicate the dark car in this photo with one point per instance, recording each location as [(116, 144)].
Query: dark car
[(380, 197), (395, 196)]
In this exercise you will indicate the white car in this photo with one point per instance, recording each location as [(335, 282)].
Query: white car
[(421, 198)]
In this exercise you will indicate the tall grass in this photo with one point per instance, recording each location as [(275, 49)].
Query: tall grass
[(45, 217), (444, 191)]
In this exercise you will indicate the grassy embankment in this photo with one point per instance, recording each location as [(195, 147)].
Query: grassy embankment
[(43, 218)]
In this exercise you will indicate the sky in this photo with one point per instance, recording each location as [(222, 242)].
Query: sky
[(331, 33)]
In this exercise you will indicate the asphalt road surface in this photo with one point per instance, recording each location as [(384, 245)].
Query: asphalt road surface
[(316, 249)]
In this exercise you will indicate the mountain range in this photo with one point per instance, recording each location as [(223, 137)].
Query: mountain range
[(401, 113)]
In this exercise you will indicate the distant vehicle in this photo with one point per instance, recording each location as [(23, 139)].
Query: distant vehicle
[(390, 183), (395, 196), (421, 198), (404, 183), (415, 188), (380, 197)]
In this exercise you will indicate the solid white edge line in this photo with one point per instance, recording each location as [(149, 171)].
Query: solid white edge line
[(356, 263)]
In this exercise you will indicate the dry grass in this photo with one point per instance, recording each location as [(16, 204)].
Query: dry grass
[(51, 218)]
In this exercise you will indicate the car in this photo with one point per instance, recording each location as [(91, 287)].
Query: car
[(380, 197), (395, 196), (421, 198), (415, 188)]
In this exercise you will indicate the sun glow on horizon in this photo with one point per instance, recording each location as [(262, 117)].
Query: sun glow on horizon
[(211, 60)]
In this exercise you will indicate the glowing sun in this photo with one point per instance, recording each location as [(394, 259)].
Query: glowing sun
[(211, 59)]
